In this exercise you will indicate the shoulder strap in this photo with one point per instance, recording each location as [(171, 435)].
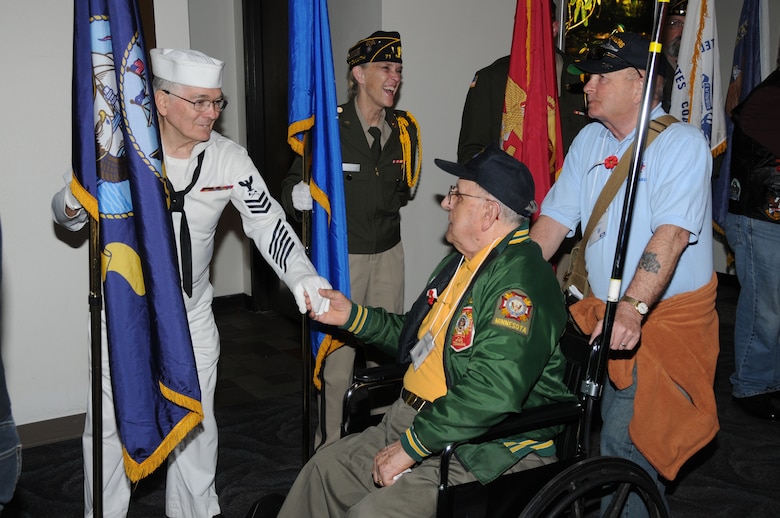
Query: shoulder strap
[(612, 186), (621, 173)]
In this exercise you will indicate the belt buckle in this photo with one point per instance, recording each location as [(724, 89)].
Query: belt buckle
[(413, 400)]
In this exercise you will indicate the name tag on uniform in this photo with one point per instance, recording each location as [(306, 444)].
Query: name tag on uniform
[(421, 350), (350, 168)]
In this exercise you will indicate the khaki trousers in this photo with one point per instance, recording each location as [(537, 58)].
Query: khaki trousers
[(376, 280), (337, 480)]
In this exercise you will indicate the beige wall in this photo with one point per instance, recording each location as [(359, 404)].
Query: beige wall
[(44, 291)]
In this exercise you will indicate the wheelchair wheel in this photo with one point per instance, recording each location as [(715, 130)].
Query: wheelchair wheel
[(578, 490)]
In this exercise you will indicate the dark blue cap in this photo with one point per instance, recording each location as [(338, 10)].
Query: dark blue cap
[(621, 50), (503, 176)]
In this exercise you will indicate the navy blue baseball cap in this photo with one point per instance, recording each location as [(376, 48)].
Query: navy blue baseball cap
[(503, 176), (621, 50)]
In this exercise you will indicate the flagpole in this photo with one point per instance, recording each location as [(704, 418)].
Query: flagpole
[(560, 40), (96, 335), (306, 352), (313, 121), (596, 371)]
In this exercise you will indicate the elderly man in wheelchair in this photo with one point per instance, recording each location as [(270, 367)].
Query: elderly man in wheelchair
[(481, 343)]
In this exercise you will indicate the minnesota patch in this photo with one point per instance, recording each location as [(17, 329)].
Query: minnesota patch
[(513, 312), (463, 334)]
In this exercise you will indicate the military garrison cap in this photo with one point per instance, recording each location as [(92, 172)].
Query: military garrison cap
[(380, 46)]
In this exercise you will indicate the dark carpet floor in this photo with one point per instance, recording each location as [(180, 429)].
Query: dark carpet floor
[(737, 475), (259, 453)]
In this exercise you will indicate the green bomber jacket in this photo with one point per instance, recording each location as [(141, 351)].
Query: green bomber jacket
[(501, 356)]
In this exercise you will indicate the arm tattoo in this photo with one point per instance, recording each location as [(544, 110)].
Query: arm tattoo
[(649, 262)]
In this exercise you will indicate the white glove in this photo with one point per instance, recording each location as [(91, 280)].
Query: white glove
[(301, 196), (63, 201), (311, 284), (71, 202)]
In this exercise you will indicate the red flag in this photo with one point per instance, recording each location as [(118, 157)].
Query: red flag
[(530, 128)]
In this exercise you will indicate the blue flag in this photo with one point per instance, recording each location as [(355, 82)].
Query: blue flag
[(745, 75), (312, 108), (118, 178)]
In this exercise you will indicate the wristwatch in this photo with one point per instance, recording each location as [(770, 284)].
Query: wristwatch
[(639, 306)]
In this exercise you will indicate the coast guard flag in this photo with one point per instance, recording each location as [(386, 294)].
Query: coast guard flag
[(696, 96), (530, 125), (312, 107), (746, 73), (118, 179)]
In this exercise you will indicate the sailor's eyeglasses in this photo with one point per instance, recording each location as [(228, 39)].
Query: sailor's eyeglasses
[(201, 105)]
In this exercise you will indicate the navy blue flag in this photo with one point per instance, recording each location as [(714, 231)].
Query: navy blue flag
[(745, 75), (312, 107), (118, 178)]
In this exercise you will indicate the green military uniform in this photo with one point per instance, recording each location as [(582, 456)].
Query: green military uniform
[(481, 121), (374, 193), (501, 356)]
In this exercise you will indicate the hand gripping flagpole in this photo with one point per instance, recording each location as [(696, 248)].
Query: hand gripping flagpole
[(596, 372)]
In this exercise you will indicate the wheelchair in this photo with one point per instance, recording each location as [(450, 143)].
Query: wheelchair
[(571, 487)]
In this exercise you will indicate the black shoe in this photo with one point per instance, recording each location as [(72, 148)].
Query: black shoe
[(760, 406)]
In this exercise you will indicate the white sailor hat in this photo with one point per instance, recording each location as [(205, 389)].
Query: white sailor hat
[(187, 67)]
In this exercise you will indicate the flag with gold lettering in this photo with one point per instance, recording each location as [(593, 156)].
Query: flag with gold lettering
[(696, 96)]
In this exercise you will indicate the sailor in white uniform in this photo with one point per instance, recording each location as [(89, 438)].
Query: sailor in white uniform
[(205, 171)]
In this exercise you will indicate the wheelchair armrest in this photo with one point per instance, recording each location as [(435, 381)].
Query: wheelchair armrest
[(372, 388), (532, 419), (381, 373)]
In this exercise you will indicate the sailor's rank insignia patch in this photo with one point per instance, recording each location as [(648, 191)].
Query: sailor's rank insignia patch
[(513, 311), (463, 334)]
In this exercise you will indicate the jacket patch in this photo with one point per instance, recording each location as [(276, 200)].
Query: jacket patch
[(463, 333), (513, 312), (772, 209)]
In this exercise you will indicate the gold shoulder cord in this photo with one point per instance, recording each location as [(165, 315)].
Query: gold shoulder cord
[(406, 146)]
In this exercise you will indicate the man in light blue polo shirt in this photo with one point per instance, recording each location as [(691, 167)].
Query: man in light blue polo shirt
[(668, 286)]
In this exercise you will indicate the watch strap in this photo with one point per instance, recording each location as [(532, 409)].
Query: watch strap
[(636, 303)]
